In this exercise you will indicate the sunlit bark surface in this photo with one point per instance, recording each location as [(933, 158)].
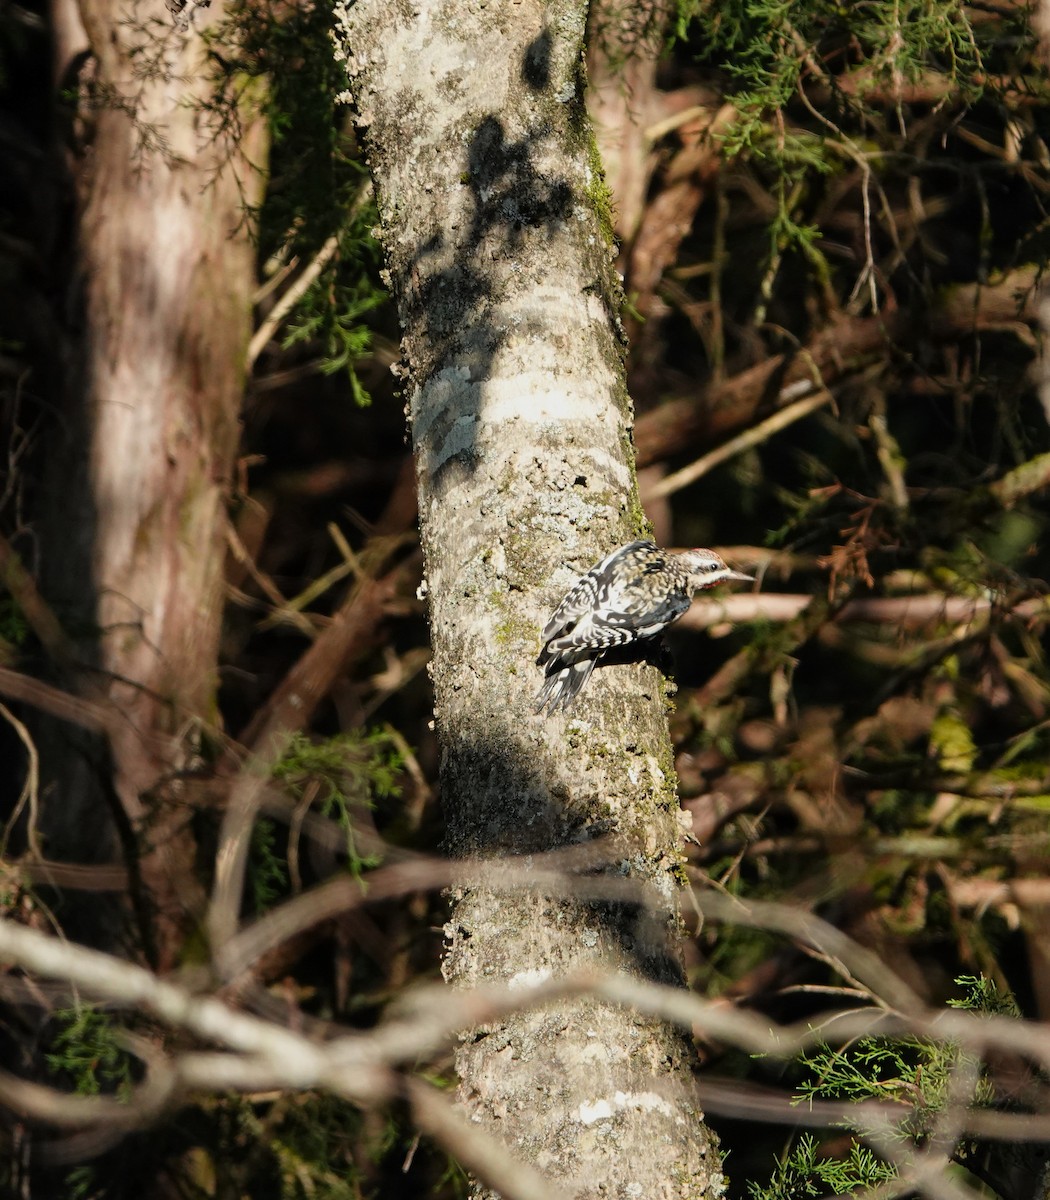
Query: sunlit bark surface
[(491, 202)]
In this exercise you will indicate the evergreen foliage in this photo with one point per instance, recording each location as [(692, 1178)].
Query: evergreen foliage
[(318, 188), (354, 769), (803, 1172), (340, 778), (86, 1047), (914, 1074)]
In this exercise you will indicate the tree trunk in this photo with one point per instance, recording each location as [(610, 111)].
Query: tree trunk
[(166, 170), (495, 224)]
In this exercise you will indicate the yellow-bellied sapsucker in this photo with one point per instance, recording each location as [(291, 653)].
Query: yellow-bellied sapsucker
[(633, 593)]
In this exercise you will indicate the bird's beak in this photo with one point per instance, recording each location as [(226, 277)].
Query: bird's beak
[(739, 576)]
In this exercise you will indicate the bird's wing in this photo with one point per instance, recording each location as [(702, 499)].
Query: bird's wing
[(586, 593), (578, 600), (635, 619), (645, 612)]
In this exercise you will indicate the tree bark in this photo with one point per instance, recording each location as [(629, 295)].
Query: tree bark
[(166, 169), (492, 208)]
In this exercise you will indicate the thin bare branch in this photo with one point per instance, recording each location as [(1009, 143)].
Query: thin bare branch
[(23, 590), (907, 611), (88, 714), (30, 793), (762, 432), (50, 1106), (289, 299)]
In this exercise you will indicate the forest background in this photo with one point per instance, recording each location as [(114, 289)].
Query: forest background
[(831, 226)]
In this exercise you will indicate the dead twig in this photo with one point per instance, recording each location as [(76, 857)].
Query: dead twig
[(289, 299), (762, 432), (23, 590), (913, 612), (30, 792)]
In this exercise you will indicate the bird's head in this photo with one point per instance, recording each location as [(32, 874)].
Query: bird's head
[(706, 568)]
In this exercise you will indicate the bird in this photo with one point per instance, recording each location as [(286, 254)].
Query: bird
[(634, 593)]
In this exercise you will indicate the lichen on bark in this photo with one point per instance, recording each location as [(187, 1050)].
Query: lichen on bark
[(476, 135)]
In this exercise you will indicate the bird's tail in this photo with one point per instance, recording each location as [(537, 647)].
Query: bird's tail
[(563, 684)]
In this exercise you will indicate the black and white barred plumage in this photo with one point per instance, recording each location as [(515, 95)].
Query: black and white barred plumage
[(633, 593)]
